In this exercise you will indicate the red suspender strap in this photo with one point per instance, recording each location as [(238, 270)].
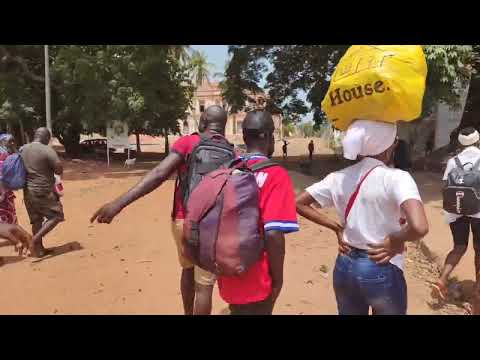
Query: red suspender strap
[(351, 201)]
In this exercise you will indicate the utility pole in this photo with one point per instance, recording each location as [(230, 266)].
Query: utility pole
[(47, 91)]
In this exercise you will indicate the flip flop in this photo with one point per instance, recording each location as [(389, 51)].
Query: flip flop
[(439, 291)]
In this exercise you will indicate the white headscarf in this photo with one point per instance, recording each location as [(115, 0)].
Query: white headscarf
[(467, 140), (368, 138)]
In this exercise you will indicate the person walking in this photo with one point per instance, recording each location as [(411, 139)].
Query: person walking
[(285, 149), (311, 149), (256, 291), (461, 225), (380, 210), (196, 284), (8, 213), (41, 201)]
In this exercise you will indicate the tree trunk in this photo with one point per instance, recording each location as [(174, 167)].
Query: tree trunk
[(22, 132), (471, 111), (139, 148), (167, 145), (70, 139)]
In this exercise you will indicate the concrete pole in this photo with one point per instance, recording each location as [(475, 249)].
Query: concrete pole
[(47, 91)]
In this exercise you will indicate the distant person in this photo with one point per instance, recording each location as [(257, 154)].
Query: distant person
[(196, 284), (402, 158), (461, 225), (311, 149), (256, 291), (42, 202), (373, 201), (285, 149), (430, 144)]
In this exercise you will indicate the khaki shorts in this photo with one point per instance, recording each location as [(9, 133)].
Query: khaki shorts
[(202, 277), (41, 206)]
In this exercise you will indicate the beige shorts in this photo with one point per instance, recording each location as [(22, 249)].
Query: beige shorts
[(202, 277)]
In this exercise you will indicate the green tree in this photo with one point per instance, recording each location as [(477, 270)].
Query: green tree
[(200, 66), (146, 86), (290, 70)]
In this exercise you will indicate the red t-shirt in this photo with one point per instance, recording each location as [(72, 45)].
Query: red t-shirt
[(277, 212), (183, 147)]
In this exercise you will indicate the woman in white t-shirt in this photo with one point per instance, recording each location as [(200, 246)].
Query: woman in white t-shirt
[(460, 225), (377, 218)]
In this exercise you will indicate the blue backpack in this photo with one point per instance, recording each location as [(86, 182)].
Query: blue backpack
[(14, 174)]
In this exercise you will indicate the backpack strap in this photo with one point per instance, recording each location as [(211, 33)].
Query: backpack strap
[(242, 162), (457, 162), (263, 165), (352, 199)]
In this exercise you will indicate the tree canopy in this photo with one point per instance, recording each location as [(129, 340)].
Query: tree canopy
[(288, 71), (147, 86)]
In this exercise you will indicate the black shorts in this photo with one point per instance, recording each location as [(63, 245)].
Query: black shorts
[(264, 307), (461, 231)]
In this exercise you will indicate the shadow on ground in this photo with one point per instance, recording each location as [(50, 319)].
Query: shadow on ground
[(61, 250), (8, 260)]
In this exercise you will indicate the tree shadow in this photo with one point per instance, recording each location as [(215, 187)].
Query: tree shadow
[(81, 170), (60, 250)]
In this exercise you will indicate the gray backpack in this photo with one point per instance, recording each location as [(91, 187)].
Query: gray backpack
[(461, 195)]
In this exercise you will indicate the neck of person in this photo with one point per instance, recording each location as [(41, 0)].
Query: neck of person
[(215, 131), (380, 158), (257, 151)]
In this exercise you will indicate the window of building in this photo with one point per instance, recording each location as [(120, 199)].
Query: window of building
[(202, 106)]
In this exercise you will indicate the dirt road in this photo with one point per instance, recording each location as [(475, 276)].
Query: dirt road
[(130, 266)]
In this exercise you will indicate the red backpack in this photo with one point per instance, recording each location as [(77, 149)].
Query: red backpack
[(222, 229)]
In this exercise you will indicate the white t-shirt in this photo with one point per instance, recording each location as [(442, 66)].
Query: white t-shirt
[(468, 158), (376, 211)]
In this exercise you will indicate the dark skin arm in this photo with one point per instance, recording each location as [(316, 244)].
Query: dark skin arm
[(275, 246), (58, 168), (150, 182), (416, 228), (305, 209)]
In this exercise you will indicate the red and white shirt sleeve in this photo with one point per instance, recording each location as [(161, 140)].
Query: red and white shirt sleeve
[(277, 200)]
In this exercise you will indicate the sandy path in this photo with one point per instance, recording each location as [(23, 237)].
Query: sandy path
[(130, 267)]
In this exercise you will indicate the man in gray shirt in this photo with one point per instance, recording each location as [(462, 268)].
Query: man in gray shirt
[(41, 163)]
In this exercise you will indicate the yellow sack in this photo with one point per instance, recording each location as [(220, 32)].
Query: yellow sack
[(377, 82)]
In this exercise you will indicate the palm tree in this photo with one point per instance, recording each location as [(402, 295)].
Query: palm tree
[(181, 52), (200, 67)]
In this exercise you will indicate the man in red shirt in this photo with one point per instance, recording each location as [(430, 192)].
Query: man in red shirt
[(196, 284), (255, 292)]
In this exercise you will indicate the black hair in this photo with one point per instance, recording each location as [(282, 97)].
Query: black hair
[(467, 131)]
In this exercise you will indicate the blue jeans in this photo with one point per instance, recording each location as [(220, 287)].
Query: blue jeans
[(360, 283)]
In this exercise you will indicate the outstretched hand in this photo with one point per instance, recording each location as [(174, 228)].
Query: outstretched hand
[(106, 213), (21, 239)]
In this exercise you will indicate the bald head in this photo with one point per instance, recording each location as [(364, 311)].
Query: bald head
[(214, 118), (43, 135)]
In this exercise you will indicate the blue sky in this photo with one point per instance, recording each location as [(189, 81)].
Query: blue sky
[(218, 56)]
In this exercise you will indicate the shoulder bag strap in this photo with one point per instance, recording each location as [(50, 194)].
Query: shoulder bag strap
[(457, 162), (352, 199), (263, 165)]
